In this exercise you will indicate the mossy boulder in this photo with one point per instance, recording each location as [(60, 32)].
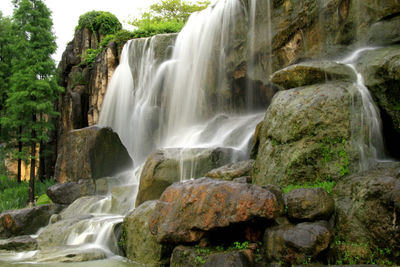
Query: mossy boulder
[(232, 170), (139, 244), (18, 243), (91, 153), (67, 193), (306, 135), (167, 166), (367, 211)]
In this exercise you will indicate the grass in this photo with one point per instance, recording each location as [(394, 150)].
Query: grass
[(15, 196)]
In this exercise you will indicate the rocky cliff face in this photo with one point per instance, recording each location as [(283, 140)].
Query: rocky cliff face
[(85, 86)]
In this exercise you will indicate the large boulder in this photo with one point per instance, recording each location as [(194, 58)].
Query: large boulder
[(306, 135), (297, 244), (26, 221), (309, 204), (140, 245), (67, 193), (368, 208), (91, 153), (167, 166), (188, 210)]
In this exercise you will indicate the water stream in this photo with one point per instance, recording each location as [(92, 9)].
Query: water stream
[(367, 131)]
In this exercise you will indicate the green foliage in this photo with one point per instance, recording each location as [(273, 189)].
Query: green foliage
[(240, 246), (89, 56), (349, 253), (326, 185), (101, 21), (199, 260), (335, 149), (167, 16), (14, 195), (43, 199)]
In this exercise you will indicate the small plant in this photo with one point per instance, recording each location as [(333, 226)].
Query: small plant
[(326, 185), (200, 260), (104, 22)]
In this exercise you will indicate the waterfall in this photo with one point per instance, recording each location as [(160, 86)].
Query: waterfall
[(177, 103), (367, 129)]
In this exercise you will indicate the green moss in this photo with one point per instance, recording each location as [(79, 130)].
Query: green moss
[(326, 185), (43, 199)]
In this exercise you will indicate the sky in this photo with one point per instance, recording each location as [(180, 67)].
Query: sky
[(65, 14)]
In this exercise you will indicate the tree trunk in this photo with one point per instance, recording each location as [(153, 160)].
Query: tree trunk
[(31, 197), (42, 162), (19, 157)]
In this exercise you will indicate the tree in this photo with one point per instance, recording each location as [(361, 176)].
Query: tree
[(33, 90), (167, 16)]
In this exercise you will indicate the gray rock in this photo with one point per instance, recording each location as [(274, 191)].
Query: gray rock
[(140, 245), (67, 193), (309, 204), (19, 243), (295, 244)]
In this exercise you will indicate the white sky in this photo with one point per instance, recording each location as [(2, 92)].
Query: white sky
[(65, 14)]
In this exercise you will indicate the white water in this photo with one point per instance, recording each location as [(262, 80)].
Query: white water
[(367, 135)]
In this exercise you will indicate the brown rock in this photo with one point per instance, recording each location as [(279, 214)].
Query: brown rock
[(187, 210), (91, 153), (68, 192)]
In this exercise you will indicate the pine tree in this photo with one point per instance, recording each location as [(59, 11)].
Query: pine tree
[(33, 90)]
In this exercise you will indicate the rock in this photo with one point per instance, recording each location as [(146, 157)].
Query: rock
[(232, 170), (189, 257), (313, 72), (186, 211), (26, 221), (295, 244), (309, 204), (91, 153), (381, 71), (19, 243), (306, 135), (243, 180), (140, 245), (167, 166), (123, 198), (367, 210), (385, 32), (67, 193), (69, 254)]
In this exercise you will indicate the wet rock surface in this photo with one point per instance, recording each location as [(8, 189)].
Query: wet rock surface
[(187, 210)]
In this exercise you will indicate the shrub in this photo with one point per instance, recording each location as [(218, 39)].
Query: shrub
[(101, 21)]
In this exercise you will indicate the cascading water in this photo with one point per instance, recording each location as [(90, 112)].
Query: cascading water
[(176, 104), (367, 135)]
